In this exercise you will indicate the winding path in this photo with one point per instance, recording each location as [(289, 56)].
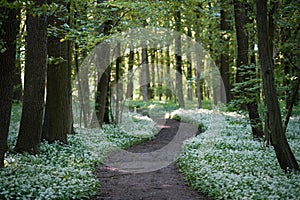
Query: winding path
[(164, 183)]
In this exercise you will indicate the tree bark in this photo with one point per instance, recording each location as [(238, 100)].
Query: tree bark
[(160, 74), (168, 90), (104, 68), (198, 63), (242, 74), (118, 84), (8, 34), (178, 58), (224, 62), (152, 56), (58, 113), (145, 75), (189, 70), (30, 132), (283, 151), (130, 75)]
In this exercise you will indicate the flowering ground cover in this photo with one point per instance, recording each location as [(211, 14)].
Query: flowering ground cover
[(66, 171), (225, 162)]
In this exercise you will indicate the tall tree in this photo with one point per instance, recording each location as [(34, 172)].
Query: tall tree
[(168, 81), (225, 59), (129, 93), (189, 70), (243, 69), (145, 74), (8, 33), (30, 132), (283, 151), (178, 58), (103, 69), (198, 59), (58, 113)]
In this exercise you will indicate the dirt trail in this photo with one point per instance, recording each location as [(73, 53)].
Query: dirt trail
[(164, 183)]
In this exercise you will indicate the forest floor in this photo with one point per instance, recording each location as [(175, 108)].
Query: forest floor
[(164, 183)]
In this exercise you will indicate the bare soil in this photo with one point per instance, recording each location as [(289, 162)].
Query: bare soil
[(164, 183)]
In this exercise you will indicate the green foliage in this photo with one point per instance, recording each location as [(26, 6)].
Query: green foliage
[(152, 107), (247, 91), (176, 117), (234, 166)]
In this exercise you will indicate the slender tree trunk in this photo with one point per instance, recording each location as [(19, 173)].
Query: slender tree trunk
[(198, 64), (58, 113), (242, 61), (189, 70), (178, 58), (168, 91), (118, 85), (160, 74), (30, 132), (283, 151), (224, 62), (83, 91), (152, 56), (8, 34), (145, 79), (295, 91), (130, 75), (104, 68)]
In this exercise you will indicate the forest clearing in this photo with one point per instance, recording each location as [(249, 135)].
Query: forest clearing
[(149, 99)]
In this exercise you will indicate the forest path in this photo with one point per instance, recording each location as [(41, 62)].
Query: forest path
[(163, 183)]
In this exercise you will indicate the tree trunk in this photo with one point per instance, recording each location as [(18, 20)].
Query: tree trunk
[(83, 91), (189, 70), (168, 91), (118, 85), (130, 75), (198, 64), (224, 64), (160, 74), (30, 132), (242, 74), (283, 151), (178, 58), (145, 76), (152, 56), (103, 67), (58, 113), (8, 34)]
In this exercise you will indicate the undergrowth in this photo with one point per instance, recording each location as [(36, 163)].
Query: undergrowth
[(225, 162), (66, 171)]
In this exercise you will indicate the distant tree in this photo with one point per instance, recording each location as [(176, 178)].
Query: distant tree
[(178, 59), (198, 59), (189, 70), (129, 93), (8, 33), (283, 151), (58, 121), (30, 132), (145, 73)]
